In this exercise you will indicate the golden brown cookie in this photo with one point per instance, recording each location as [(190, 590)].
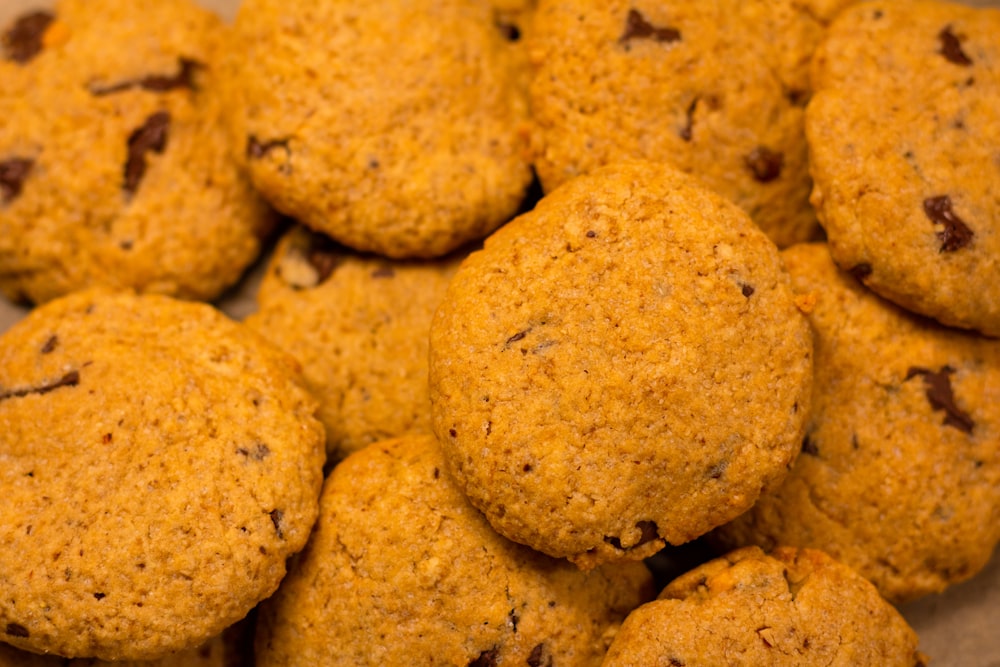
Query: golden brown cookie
[(115, 169), (716, 88), (396, 127), (792, 607), (903, 132), (402, 570), (899, 475), (358, 325), (623, 366), (159, 464)]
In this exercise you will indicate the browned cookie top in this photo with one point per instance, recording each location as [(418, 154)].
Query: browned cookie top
[(403, 570), (158, 462), (622, 366), (903, 133), (899, 475), (395, 127), (750, 609)]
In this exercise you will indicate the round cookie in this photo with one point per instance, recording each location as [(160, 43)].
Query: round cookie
[(397, 127), (899, 475), (714, 88), (623, 366), (115, 168), (358, 325), (792, 607), (402, 570), (159, 464), (903, 132)]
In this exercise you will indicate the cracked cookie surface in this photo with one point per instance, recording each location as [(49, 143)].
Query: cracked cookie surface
[(903, 133), (792, 607), (397, 127), (623, 366), (358, 325), (115, 169), (717, 89), (159, 463), (899, 475), (402, 570)]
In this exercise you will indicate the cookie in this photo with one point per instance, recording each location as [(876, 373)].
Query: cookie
[(358, 325), (717, 89), (899, 475), (402, 570), (791, 607), (903, 132), (115, 169), (159, 464), (623, 366), (398, 128)]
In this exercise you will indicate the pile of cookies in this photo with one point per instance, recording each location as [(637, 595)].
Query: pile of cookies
[(560, 285)]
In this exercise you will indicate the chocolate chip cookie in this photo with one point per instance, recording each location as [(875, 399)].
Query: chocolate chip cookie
[(398, 127), (715, 88), (903, 132), (621, 367), (359, 326), (899, 475), (401, 570), (159, 464), (791, 607), (115, 169)]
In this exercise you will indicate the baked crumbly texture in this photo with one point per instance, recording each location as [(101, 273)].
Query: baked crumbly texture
[(715, 88), (792, 607), (401, 570), (396, 127), (159, 462), (899, 475), (358, 325), (115, 169), (903, 132), (623, 366)]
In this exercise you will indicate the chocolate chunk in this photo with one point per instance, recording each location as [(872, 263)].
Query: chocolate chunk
[(50, 344), (860, 271), (276, 518), (509, 31), (99, 596), (257, 149), (487, 658), (955, 234), (747, 290), (539, 657), (70, 379), (516, 337), (941, 397), (152, 136), (951, 47), (13, 173), (637, 27), (809, 447), (24, 39), (686, 131), (764, 163), (155, 83), (17, 630)]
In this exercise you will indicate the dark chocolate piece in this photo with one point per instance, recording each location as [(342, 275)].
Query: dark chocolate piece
[(487, 658), (151, 137), (941, 397), (17, 630), (956, 234), (951, 47), (764, 163), (156, 83), (637, 27), (13, 173), (70, 379), (276, 518), (24, 39)]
